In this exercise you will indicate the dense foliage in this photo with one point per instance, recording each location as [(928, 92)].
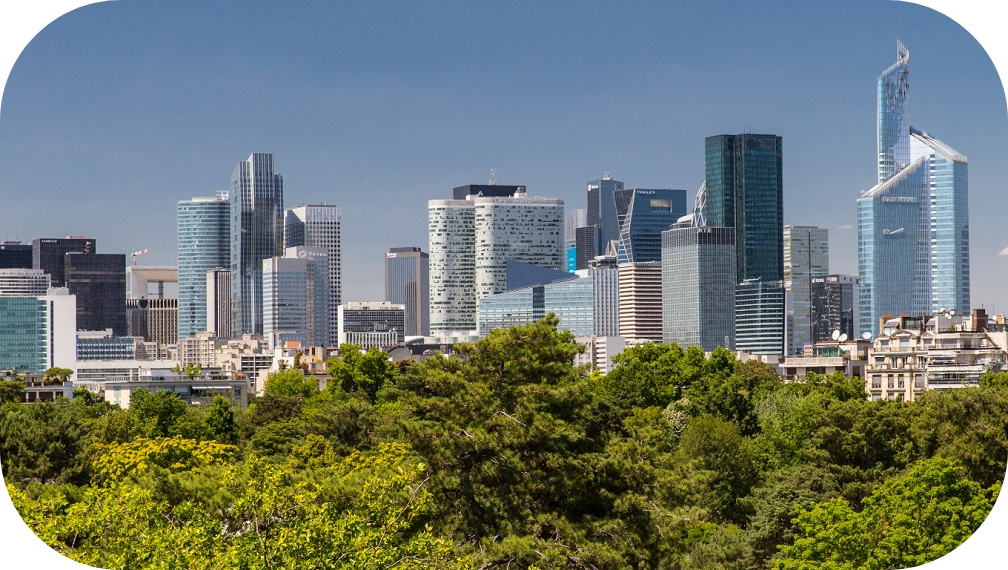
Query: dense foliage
[(509, 456)]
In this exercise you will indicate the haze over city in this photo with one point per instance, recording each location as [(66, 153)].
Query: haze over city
[(118, 110)]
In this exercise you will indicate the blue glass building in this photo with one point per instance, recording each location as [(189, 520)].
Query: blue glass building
[(642, 215), (602, 215), (204, 244), (572, 301), (913, 226), (257, 230)]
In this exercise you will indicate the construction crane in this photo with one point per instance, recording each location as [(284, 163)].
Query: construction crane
[(137, 254)]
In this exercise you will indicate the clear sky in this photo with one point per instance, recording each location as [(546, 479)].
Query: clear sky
[(116, 111)]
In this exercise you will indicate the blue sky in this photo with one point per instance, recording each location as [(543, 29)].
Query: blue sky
[(116, 111)]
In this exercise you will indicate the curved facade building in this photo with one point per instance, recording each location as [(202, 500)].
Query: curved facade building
[(204, 244)]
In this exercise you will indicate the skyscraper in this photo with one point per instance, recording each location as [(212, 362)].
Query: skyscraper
[(218, 302), (407, 283), (37, 331), (602, 213), (257, 226), (471, 241), (48, 254), (642, 215), (640, 301), (744, 190), (204, 244), (806, 255), (296, 297), (99, 282), (319, 226), (834, 306), (698, 287), (913, 226), (15, 255)]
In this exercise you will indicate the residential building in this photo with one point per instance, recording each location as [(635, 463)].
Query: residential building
[(198, 350), (913, 226), (407, 283), (849, 357), (806, 256), (698, 287), (218, 302), (257, 235), (319, 226), (204, 244), (599, 352)]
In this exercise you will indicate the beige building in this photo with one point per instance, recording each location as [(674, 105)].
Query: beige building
[(640, 302)]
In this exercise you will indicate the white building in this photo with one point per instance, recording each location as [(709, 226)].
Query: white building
[(470, 242), (296, 297)]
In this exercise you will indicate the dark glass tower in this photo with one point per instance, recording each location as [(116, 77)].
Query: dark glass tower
[(48, 254), (257, 226), (745, 192), (602, 212), (407, 283), (99, 281), (15, 255)]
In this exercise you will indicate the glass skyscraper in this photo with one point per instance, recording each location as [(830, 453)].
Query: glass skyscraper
[(319, 226), (913, 226), (257, 234), (573, 302), (204, 244), (806, 256), (602, 214), (99, 282), (642, 215), (406, 283), (296, 297)]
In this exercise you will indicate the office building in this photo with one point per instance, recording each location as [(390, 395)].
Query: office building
[(572, 300), (98, 280), (154, 320), (48, 254), (698, 287), (407, 283), (204, 244), (759, 317), (257, 234), (834, 307), (913, 226), (470, 243), (586, 240), (642, 215), (602, 212), (319, 226), (37, 332), (604, 273), (640, 302), (218, 302), (15, 255), (103, 345), (139, 280), (575, 219), (296, 297), (371, 323), (806, 256), (24, 282)]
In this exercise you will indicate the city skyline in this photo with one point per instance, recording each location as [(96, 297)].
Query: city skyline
[(817, 93)]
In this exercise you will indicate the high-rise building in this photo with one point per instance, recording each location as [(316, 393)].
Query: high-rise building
[(407, 283), (642, 215), (834, 306), (204, 244), (15, 255), (218, 302), (140, 278), (98, 280), (698, 287), (571, 300), (806, 255), (602, 211), (48, 254), (640, 301), (471, 241), (575, 219), (154, 320), (257, 234), (913, 226), (24, 282), (604, 273), (744, 190), (37, 332), (319, 226), (296, 297)]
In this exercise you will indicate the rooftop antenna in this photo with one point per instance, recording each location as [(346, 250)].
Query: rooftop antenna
[(493, 177)]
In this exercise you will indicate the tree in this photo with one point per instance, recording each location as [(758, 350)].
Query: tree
[(11, 391), (163, 414), (908, 521), (291, 382), (221, 421), (369, 372), (42, 441), (57, 373)]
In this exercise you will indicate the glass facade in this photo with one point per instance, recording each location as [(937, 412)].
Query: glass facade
[(759, 317), (572, 301), (257, 226), (23, 335), (806, 256), (48, 254), (407, 281), (319, 226), (602, 211), (296, 297), (745, 192), (642, 215), (913, 226), (834, 306), (204, 244), (698, 287), (15, 255), (99, 282)]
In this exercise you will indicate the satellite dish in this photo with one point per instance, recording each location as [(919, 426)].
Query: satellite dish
[(836, 334), (866, 335), (843, 337)]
